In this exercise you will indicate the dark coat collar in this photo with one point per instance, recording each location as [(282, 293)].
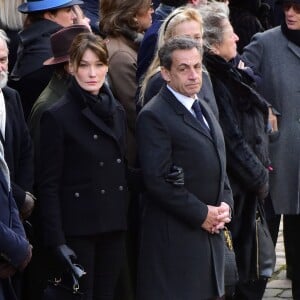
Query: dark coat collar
[(188, 118), (117, 132)]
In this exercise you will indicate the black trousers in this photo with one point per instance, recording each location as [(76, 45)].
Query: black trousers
[(102, 257)]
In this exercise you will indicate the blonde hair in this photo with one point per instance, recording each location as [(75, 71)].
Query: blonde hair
[(10, 17), (166, 32)]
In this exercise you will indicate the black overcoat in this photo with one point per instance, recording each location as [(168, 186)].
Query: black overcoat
[(81, 182), (178, 259), (18, 148)]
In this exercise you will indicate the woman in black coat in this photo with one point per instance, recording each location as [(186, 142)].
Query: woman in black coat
[(243, 117), (81, 174), (44, 17)]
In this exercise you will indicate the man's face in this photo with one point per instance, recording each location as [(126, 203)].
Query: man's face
[(3, 63), (292, 15), (185, 75)]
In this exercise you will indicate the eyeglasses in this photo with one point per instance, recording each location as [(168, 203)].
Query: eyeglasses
[(295, 6)]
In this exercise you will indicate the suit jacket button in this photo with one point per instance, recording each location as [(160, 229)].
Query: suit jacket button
[(119, 160), (101, 163), (76, 195), (121, 188), (95, 136), (102, 192)]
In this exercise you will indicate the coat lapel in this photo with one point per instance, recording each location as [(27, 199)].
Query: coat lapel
[(188, 118), (294, 48), (115, 134)]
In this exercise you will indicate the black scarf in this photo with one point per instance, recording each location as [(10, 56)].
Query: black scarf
[(291, 35), (103, 105)]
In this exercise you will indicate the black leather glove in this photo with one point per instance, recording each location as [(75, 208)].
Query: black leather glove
[(64, 255), (175, 176)]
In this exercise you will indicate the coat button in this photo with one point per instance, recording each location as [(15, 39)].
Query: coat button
[(102, 192), (119, 160), (76, 195), (95, 136), (101, 163), (121, 188)]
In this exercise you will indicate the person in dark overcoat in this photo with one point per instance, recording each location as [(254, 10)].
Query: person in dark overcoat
[(81, 182), (43, 18), (280, 86), (15, 250), (244, 120), (181, 242)]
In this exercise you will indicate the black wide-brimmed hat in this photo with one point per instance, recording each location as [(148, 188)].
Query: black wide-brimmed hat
[(32, 6)]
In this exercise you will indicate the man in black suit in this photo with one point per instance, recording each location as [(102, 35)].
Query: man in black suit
[(15, 138), (181, 246)]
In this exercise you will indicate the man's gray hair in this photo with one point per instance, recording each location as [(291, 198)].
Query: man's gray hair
[(3, 36), (177, 43)]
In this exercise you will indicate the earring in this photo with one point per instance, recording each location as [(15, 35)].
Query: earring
[(136, 20)]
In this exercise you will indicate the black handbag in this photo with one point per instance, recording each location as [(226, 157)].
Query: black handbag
[(265, 256), (231, 276), (64, 288)]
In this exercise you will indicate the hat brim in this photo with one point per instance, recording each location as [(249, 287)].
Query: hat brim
[(28, 7), (56, 60)]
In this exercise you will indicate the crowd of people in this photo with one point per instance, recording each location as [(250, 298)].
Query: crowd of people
[(132, 133)]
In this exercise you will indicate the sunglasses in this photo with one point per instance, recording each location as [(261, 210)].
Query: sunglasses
[(295, 6)]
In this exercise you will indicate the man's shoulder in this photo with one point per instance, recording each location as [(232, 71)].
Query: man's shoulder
[(9, 92), (271, 34)]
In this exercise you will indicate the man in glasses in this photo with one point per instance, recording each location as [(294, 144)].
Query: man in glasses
[(275, 54)]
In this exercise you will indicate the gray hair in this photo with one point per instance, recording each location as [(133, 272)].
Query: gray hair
[(213, 15), (10, 17), (3, 36), (177, 43)]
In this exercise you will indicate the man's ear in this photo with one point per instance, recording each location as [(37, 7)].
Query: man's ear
[(165, 73)]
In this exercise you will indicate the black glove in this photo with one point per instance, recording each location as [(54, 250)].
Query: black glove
[(175, 176), (64, 255)]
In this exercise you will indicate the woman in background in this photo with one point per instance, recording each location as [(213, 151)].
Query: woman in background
[(123, 23), (243, 118), (43, 18)]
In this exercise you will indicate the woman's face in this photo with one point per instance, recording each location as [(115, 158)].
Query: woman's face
[(64, 17), (227, 48), (190, 29), (292, 15), (91, 72), (144, 16)]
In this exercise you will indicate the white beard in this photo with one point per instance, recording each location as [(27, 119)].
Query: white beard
[(3, 79)]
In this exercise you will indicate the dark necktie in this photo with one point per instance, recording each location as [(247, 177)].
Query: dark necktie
[(198, 112)]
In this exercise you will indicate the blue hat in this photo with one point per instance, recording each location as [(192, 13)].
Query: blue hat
[(43, 5)]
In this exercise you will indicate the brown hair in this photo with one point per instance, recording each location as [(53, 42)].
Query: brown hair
[(84, 41), (115, 14)]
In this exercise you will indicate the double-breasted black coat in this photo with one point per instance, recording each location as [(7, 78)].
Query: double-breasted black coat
[(178, 259), (81, 180)]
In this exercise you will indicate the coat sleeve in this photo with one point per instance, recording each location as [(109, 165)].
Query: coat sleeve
[(242, 162), (23, 177), (155, 156), (123, 83), (50, 168), (253, 53), (13, 243)]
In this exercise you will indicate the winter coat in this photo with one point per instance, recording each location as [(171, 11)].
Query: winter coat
[(278, 62), (243, 118)]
